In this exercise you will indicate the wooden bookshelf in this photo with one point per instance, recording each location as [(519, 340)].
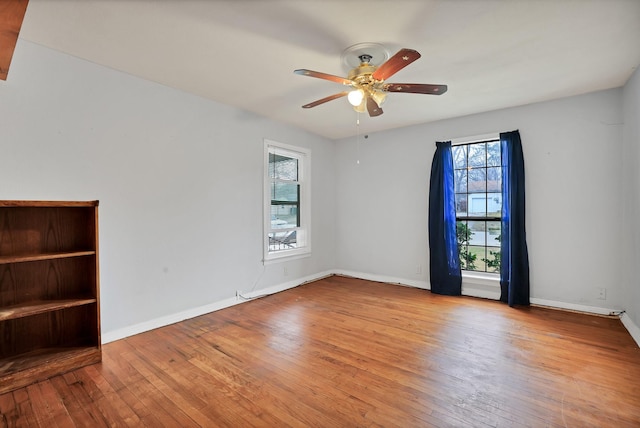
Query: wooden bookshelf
[(49, 290)]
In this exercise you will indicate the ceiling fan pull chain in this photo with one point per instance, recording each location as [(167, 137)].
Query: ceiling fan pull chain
[(357, 138)]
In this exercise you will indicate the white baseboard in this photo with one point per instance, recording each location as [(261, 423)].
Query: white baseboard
[(285, 286), (628, 323), (132, 330), (631, 327), (467, 290), (573, 306), (383, 278), (205, 309)]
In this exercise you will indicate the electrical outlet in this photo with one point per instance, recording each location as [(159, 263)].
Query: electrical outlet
[(285, 271), (418, 269), (602, 293)]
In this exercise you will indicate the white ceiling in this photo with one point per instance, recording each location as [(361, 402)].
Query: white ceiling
[(491, 53)]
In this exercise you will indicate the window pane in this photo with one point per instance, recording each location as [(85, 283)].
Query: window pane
[(493, 233), (462, 232), (477, 154), (460, 180), (282, 240), (459, 154), (284, 206), (284, 216), (494, 183), (287, 192), (493, 153), (462, 252), (494, 204), (465, 261), (461, 205), (283, 167), (476, 256), (478, 233), (477, 204), (493, 259), (477, 180)]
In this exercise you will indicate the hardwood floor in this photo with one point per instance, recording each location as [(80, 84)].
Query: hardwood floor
[(342, 352)]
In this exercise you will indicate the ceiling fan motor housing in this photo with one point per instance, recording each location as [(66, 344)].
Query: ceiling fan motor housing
[(362, 74)]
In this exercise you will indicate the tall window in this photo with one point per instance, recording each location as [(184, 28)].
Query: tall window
[(478, 189), (287, 207)]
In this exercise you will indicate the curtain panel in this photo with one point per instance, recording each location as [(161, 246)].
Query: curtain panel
[(514, 267), (444, 261)]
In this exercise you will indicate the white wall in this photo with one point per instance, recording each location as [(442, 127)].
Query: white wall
[(573, 182), (631, 199), (179, 179)]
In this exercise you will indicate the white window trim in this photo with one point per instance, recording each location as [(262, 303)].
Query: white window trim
[(475, 139), (304, 179)]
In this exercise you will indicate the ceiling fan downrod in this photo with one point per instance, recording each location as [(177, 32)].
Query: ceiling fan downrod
[(365, 59)]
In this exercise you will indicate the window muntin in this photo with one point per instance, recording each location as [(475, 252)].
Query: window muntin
[(286, 201), (478, 195)]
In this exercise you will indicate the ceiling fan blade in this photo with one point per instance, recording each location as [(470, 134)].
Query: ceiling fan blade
[(325, 76), (415, 88), (373, 108), (326, 99), (396, 63)]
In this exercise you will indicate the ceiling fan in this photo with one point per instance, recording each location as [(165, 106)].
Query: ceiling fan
[(367, 82)]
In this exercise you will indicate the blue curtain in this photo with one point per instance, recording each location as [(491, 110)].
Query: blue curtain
[(514, 267), (444, 261)]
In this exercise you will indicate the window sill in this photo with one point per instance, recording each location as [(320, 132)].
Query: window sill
[(285, 256), (479, 284), (480, 278)]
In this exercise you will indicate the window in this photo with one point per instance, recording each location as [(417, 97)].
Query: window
[(478, 190), (286, 199)]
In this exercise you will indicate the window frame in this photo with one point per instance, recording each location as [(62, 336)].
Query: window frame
[(303, 231), (486, 277)]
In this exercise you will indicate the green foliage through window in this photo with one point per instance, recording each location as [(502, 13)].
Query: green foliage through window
[(467, 260)]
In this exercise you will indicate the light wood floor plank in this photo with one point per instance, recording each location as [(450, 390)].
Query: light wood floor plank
[(48, 406), (23, 416), (8, 410), (111, 399)]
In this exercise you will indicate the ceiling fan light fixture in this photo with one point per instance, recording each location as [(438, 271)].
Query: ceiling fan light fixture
[(355, 97)]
